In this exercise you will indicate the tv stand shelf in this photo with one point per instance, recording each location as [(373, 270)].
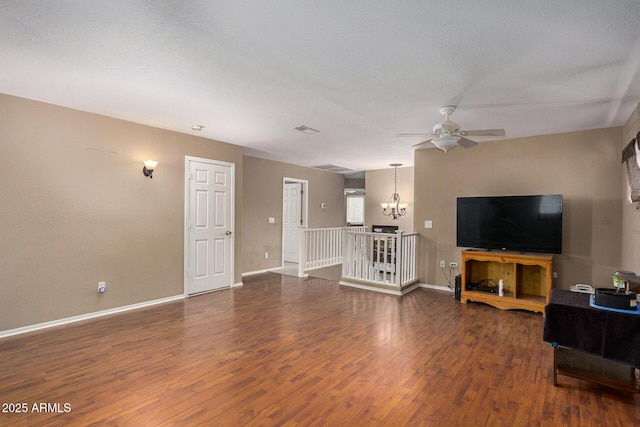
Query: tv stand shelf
[(527, 279)]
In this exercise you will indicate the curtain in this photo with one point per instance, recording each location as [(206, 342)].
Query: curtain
[(631, 156)]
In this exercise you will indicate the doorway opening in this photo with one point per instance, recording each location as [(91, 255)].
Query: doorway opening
[(294, 220)]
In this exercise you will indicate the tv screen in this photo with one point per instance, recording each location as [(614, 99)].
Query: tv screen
[(511, 223)]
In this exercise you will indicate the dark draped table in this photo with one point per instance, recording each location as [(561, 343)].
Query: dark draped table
[(571, 322)]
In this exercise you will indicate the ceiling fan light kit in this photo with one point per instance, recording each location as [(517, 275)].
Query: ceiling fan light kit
[(446, 142)]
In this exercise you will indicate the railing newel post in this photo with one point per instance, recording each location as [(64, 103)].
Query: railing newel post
[(302, 250), (399, 256)]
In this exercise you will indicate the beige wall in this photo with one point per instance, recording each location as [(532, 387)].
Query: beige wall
[(630, 212), (263, 181), (379, 186), (354, 183), (76, 209), (583, 166)]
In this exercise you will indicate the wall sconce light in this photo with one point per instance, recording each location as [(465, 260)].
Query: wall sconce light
[(149, 166)]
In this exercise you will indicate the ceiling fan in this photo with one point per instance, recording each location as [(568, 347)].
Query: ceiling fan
[(447, 134)]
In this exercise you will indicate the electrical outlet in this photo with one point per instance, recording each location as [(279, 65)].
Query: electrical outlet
[(442, 263), (453, 264), (266, 255), (555, 274)]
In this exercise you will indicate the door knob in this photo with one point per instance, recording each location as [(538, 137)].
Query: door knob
[(229, 233)]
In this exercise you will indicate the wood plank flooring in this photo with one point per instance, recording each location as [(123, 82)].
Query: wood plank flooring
[(301, 352)]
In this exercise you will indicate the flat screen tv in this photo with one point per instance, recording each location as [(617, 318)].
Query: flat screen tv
[(511, 223)]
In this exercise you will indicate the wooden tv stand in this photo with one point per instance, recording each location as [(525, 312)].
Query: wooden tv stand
[(527, 279)]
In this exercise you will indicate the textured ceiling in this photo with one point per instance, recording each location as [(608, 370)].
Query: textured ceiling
[(358, 71)]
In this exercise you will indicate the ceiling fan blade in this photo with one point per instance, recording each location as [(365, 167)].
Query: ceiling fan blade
[(414, 134), (484, 132), (466, 143), (423, 144)]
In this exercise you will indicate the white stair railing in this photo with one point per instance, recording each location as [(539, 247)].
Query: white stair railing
[(321, 247), (380, 258)]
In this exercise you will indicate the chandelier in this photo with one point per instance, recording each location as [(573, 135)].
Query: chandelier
[(394, 208)]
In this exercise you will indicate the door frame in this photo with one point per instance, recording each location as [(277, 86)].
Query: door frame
[(305, 209), (187, 194)]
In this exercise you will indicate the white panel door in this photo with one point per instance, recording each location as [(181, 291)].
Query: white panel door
[(210, 226), (292, 220)]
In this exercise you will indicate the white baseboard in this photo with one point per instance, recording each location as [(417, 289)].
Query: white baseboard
[(411, 288), (381, 290), (371, 288), (87, 316), (436, 287), (251, 273)]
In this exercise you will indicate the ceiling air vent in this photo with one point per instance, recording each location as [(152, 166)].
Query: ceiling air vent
[(333, 168), (306, 129)]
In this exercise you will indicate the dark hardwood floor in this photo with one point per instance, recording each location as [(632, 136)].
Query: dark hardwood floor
[(293, 352)]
